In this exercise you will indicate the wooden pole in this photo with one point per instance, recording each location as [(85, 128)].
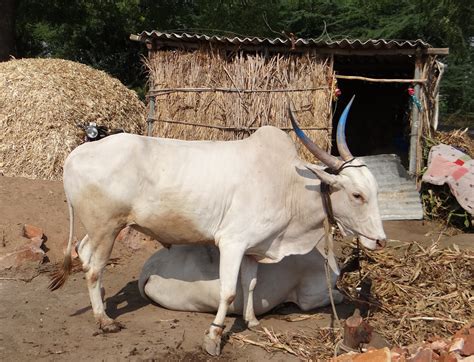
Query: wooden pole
[(233, 128), (356, 331), (151, 114), (163, 91), (413, 154), (381, 80), (331, 94)]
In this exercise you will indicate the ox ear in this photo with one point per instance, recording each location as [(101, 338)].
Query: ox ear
[(330, 179)]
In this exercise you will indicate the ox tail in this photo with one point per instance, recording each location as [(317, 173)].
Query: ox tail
[(59, 277)]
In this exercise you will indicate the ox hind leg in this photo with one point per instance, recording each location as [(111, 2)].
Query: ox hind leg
[(94, 252), (229, 265), (248, 277)]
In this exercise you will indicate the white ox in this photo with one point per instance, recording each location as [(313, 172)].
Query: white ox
[(253, 198), (186, 278)]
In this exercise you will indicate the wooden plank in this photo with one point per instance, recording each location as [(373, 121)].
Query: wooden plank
[(437, 51), (134, 37), (231, 90), (380, 80), (415, 126)]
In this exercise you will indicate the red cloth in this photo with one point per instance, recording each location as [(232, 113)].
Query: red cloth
[(448, 165)]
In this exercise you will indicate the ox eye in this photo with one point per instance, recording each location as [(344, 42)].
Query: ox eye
[(357, 196)]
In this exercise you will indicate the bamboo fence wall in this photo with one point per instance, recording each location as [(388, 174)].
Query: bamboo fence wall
[(209, 95)]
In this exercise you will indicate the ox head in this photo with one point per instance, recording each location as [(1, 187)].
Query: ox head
[(354, 189)]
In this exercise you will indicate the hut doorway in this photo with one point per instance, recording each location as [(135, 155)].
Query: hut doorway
[(379, 122)]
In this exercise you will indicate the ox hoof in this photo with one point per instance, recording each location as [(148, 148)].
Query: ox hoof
[(212, 346), (252, 323), (110, 326)]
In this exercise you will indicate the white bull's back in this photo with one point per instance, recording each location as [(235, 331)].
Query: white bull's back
[(191, 192)]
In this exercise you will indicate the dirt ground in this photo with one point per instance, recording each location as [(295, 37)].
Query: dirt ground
[(36, 324)]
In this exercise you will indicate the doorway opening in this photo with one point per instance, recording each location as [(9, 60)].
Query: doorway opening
[(379, 120)]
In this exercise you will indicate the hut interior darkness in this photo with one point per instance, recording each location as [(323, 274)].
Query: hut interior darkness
[(380, 116)]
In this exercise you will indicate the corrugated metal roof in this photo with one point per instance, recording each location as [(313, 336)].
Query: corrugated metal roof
[(398, 197), (296, 42)]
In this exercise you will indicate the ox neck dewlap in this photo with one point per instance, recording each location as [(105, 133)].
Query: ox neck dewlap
[(326, 190)]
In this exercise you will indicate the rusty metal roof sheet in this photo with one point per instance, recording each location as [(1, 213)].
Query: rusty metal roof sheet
[(297, 42)]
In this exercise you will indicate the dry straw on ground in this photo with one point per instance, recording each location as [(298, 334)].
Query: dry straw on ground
[(264, 85), (459, 139), (417, 293), (315, 346), (41, 102), (420, 291)]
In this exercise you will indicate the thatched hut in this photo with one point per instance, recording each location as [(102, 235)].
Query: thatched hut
[(42, 102), (217, 87), (213, 94), (225, 87)]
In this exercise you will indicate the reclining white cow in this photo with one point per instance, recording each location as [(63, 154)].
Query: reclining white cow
[(253, 198), (186, 278)]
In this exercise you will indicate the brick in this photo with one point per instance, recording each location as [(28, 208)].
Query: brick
[(439, 345), (346, 357), (457, 345), (22, 256), (412, 349), (379, 355), (423, 355), (447, 357), (31, 231), (468, 347), (398, 350), (37, 241), (397, 355)]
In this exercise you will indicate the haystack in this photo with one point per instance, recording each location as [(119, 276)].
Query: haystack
[(214, 95), (41, 103)]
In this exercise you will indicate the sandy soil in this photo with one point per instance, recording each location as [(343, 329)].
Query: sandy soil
[(36, 324)]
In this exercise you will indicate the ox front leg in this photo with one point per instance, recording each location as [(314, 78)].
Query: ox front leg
[(248, 277), (230, 260)]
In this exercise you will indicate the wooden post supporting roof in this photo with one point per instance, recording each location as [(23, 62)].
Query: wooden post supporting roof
[(415, 122)]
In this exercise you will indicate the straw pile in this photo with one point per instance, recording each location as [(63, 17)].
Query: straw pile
[(457, 138), (417, 293), (218, 115), (43, 100)]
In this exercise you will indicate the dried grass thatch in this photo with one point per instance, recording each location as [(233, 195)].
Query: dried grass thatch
[(262, 99), (43, 100)]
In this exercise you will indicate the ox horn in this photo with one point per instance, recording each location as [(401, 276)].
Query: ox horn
[(342, 147), (329, 160)]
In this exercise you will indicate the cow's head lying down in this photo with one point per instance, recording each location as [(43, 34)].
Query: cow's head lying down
[(352, 187)]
